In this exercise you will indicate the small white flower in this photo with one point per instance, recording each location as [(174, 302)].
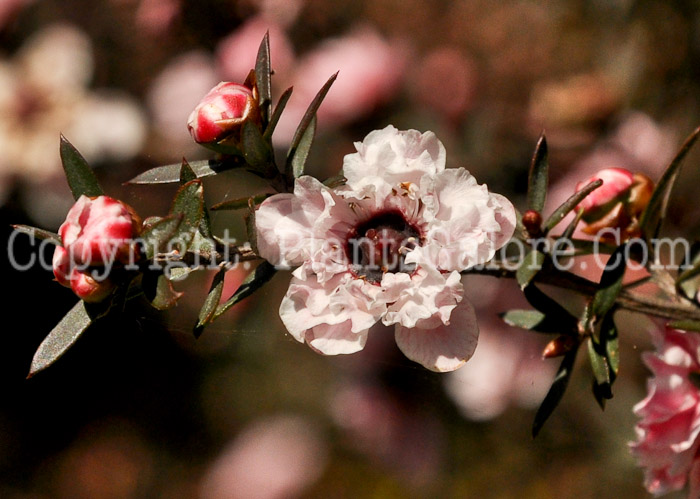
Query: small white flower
[(387, 246)]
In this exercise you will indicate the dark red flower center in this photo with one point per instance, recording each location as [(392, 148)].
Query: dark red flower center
[(380, 244)]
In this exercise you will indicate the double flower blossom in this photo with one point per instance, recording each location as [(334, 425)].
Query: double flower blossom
[(388, 246)]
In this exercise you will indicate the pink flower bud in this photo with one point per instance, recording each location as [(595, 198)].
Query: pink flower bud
[(222, 112), (618, 203), (98, 232), (88, 288), (616, 182)]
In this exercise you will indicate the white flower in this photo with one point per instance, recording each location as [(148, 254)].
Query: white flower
[(388, 246)]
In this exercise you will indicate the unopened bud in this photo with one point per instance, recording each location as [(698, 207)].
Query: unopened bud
[(532, 221), (98, 232), (616, 204), (222, 112), (558, 346), (88, 288)]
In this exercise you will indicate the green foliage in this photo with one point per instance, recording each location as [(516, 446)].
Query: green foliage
[(538, 177), (81, 178)]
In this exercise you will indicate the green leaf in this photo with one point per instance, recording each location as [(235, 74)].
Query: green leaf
[(335, 181), (653, 216), (610, 283), (257, 151), (157, 234), (538, 177), (601, 373), (159, 290), (263, 78), (556, 391), (281, 104), (169, 174), (306, 121), (237, 204), (186, 172), (262, 274), (569, 231), (530, 266), (298, 161), (81, 178), (189, 201), (526, 319), (61, 338), (686, 325), (38, 233), (569, 205), (250, 225), (206, 314), (610, 344)]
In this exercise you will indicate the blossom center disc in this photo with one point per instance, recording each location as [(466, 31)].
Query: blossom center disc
[(380, 244)]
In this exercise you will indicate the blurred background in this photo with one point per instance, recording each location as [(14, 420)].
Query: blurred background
[(138, 408)]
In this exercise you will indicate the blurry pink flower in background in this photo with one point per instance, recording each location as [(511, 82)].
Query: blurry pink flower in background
[(445, 80), (667, 436), (9, 8), (43, 92), (156, 16), (369, 67), (272, 458), (506, 369), (376, 423), (236, 53), (171, 98)]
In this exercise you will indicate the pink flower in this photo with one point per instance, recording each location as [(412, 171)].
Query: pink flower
[(618, 203), (98, 232), (222, 112), (667, 436), (388, 247), (370, 69)]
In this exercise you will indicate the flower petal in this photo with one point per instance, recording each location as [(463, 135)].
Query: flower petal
[(336, 339), (444, 348)]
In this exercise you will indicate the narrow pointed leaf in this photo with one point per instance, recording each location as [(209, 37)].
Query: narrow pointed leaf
[(686, 325), (206, 314), (159, 290), (61, 338), (186, 172), (262, 274), (302, 152), (533, 320), (189, 201), (281, 104), (530, 266), (169, 174), (538, 177), (655, 212), (569, 231), (570, 204), (81, 178), (555, 393), (601, 373), (38, 233), (306, 120), (335, 181), (610, 343), (263, 80), (237, 204), (156, 235), (257, 151), (610, 283), (250, 225)]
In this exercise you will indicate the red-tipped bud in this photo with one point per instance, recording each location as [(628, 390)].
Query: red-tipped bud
[(98, 232), (88, 288), (558, 347), (222, 112), (616, 204), (532, 221)]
